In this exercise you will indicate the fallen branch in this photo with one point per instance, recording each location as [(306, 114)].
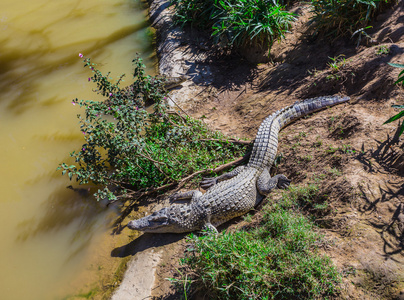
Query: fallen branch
[(138, 195), (233, 141), (150, 159), (181, 182), (176, 113), (178, 106)]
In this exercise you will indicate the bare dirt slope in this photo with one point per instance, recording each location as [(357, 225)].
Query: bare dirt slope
[(357, 161)]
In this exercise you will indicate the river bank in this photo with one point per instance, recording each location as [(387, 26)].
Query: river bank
[(149, 251), (362, 162)]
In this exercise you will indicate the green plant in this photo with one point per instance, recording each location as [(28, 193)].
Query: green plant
[(318, 143), (335, 77), (348, 149), (246, 22), (295, 146), (331, 149), (198, 13), (334, 172), (236, 22), (382, 49), (341, 17), (337, 63), (401, 113), (128, 148), (307, 157), (247, 218), (183, 284), (401, 75), (396, 117), (362, 33)]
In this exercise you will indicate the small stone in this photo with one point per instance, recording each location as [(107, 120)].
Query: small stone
[(400, 295)]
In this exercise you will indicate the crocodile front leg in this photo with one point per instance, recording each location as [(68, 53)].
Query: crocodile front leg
[(265, 184), (209, 182), (193, 195)]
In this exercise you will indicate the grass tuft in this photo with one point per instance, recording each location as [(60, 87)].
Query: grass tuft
[(276, 260)]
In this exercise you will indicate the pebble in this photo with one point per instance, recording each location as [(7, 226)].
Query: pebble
[(400, 295)]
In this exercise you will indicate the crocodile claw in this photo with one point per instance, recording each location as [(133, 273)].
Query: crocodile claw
[(208, 182), (283, 182)]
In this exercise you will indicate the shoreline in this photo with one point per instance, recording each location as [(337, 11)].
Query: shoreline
[(139, 278)]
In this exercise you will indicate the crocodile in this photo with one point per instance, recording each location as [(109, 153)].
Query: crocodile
[(237, 192), (169, 83), (173, 82)]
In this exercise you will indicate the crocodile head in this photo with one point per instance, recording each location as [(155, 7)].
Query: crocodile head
[(173, 82), (164, 220)]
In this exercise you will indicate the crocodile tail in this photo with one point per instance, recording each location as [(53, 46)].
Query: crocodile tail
[(308, 106), (266, 141)]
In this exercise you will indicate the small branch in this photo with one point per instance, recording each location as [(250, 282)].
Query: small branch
[(175, 113), (172, 123), (179, 184), (184, 180), (232, 163), (150, 159), (215, 170), (234, 141), (178, 106)]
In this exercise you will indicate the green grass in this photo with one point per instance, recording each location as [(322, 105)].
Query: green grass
[(276, 260)]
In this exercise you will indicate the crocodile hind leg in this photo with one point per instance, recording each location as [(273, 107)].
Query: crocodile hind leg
[(208, 182), (265, 184), (193, 195)]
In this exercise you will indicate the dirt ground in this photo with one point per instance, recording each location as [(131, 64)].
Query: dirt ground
[(359, 160)]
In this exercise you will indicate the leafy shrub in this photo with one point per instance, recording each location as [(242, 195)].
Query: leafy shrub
[(400, 80), (396, 117), (127, 147), (339, 17), (236, 22), (275, 260), (251, 22), (198, 13)]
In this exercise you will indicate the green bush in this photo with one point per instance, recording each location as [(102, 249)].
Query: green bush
[(340, 17), (396, 117), (276, 260), (197, 13), (400, 80), (127, 147), (246, 23), (236, 22)]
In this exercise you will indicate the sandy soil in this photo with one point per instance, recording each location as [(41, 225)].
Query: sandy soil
[(360, 160)]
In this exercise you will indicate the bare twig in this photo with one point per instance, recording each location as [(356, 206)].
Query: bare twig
[(137, 195), (150, 159), (172, 123), (234, 141), (176, 113), (181, 182), (178, 106)]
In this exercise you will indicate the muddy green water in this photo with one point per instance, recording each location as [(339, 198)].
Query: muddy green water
[(47, 231)]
